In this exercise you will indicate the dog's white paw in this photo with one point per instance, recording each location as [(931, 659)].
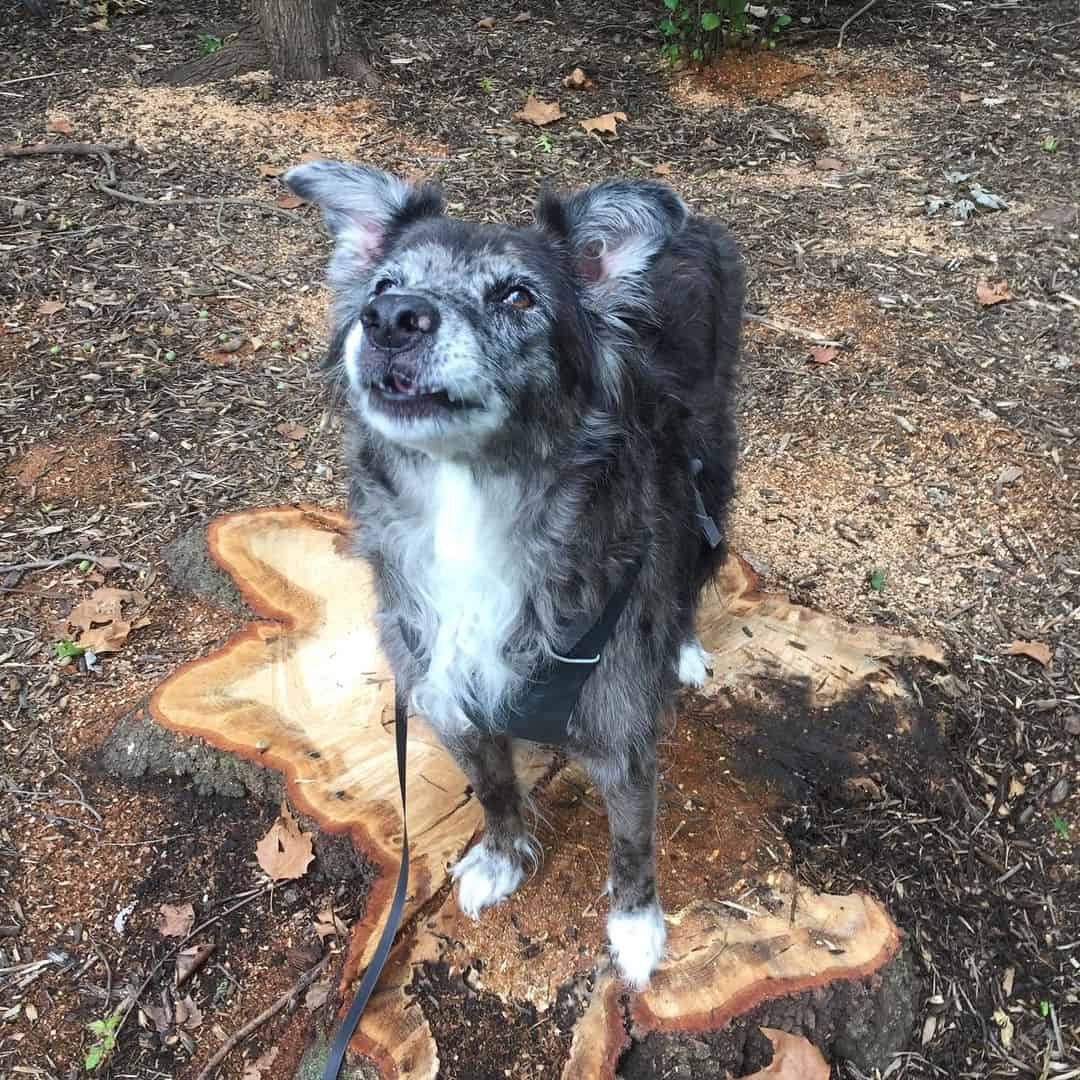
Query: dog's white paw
[(694, 664), (484, 878), (637, 941)]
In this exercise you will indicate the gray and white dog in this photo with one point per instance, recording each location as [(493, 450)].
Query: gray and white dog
[(526, 407)]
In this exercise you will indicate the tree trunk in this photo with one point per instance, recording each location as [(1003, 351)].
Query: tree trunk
[(297, 40)]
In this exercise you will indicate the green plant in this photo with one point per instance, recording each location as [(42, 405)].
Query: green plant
[(1051, 143), (543, 142), (67, 650), (1061, 826), (208, 44), (487, 84), (105, 1030), (701, 29)]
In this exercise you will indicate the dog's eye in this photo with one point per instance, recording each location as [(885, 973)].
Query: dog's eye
[(518, 298), (382, 285)]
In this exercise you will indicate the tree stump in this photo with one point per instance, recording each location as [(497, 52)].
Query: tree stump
[(305, 691)]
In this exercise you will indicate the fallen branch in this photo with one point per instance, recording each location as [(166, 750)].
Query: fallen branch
[(51, 564), (221, 200), (795, 331), (31, 78), (238, 1037), (85, 149), (843, 29)]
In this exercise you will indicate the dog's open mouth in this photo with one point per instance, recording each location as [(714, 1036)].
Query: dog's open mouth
[(400, 395)]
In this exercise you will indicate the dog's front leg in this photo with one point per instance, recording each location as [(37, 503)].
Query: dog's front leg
[(492, 869), (635, 923)]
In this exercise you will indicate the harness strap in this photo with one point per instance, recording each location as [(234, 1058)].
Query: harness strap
[(340, 1045)]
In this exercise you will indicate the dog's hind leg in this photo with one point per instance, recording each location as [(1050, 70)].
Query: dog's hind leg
[(635, 921), (693, 664), (492, 869)]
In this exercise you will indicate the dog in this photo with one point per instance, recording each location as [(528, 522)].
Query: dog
[(539, 416)]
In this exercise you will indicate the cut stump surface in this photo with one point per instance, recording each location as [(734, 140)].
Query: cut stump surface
[(305, 690)]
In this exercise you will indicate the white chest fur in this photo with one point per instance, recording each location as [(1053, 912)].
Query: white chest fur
[(473, 590)]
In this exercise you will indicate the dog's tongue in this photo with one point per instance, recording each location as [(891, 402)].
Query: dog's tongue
[(402, 384)]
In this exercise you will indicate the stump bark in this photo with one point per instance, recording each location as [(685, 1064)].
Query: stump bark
[(304, 691)]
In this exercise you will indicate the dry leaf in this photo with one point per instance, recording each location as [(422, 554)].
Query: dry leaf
[(1036, 650), (61, 125), (662, 169), (312, 155), (285, 851), (523, 17), (296, 432), (108, 562), (824, 354), (188, 1014), (316, 996), (794, 1058), (327, 924), (989, 295), (189, 960), (829, 164), (175, 920), (289, 202), (270, 170), (578, 80), (253, 1070), (51, 307), (605, 122), (968, 99), (486, 23), (106, 618), (539, 112)]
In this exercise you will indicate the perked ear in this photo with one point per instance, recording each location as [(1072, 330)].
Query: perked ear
[(614, 228), (361, 206)]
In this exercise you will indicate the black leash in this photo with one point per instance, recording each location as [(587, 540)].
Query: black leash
[(340, 1045), (542, 714)]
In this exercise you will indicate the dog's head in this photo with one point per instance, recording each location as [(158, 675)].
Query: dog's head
[(455, 336)]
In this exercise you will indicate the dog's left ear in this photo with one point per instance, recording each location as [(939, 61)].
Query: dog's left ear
[(614, 229)]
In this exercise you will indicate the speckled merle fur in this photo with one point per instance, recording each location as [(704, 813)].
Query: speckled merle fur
[(619, 374)]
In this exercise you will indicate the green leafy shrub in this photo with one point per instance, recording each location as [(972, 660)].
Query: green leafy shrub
[(700, 30)]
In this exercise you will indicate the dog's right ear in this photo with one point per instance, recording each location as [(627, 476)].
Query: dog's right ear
[(361, 206)]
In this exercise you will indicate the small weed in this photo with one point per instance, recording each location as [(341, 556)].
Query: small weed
[(1061, 826), (105, 1030), (877, 579), (701, 31), (67, 650), (1050, 144), (208, 44), (1044, 1008), (487, 84), (543, 142)]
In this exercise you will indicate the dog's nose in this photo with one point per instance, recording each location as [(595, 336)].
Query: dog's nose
[(399, 320)]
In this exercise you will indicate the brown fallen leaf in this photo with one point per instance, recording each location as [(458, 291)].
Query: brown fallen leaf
[(794, 1058), (997, 293), (605, 122), (578, 80), (175, 920), (60, 125), (106, 618), (188, 1014), (539, 112), (270, 170), (969, 99), (296, 432), (289, 202), (522, 17), (662, 169), (253, 1070), (51, 307), (486, 23), (316, 996), (829, 164), (285, 852), (1036, 650), (824, 354), (189, 960), (311, 155), (106, 563)]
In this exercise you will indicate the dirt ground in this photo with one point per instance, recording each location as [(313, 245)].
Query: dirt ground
[(908, 454)]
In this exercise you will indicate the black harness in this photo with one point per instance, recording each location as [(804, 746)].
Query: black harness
[(542, 713)]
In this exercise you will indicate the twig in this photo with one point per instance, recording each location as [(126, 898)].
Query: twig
[(238, 1037), (795, 331), (31, 78), (843, 29), (51, 564), (85, 149), (232, 200)]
